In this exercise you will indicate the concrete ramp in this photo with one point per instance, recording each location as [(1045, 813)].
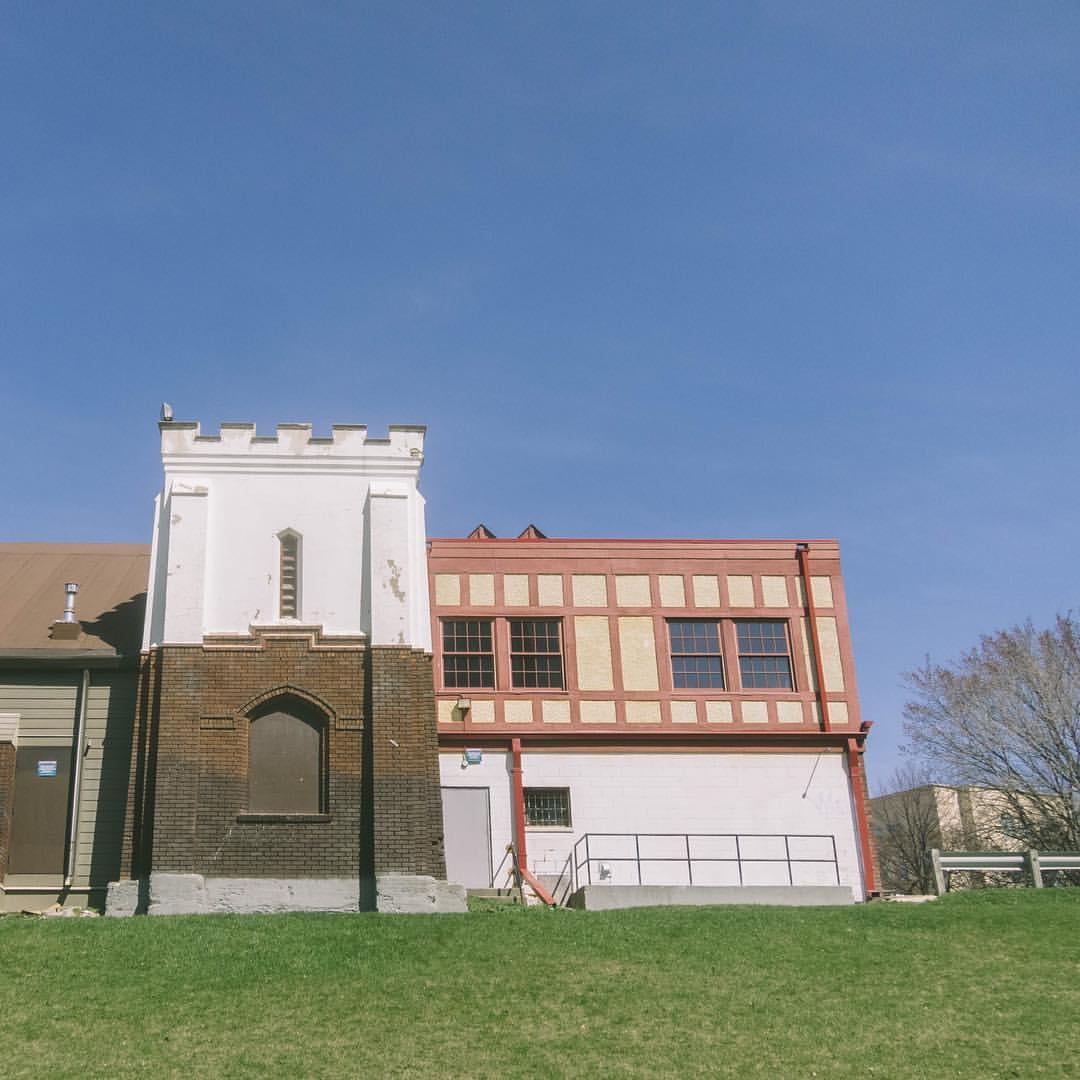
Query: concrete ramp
[(613, 897)]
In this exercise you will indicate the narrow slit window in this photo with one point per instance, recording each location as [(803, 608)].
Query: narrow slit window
[(289, 599)]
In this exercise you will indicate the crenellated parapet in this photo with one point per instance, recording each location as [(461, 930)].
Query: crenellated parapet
[(239, 444)]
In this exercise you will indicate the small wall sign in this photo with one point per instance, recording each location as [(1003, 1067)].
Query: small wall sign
[(474, 757), (46, 768)]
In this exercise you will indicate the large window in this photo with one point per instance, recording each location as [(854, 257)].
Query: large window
[(696, 660), (547, 807), (764, 654), (536, 654), (468, 654)]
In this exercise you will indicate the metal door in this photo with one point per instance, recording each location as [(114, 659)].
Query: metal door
[(39, 819), (467, 827)]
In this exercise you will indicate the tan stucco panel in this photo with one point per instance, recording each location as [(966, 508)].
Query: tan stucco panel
[(774, 590), (831, 666), (838, 714), (482, 712), (643, 712), (672, 590), (637, 647), (549, 590), (684, 712), (755, 712), (516, 590), (789, 712), (706, 590), (740, 590), (593, 646), (482, 590), (590, 590), (446, 711), (632, 590), (448, 590), (718, 712), (597, 712), (518, 712), (556, 712), (822, 587)]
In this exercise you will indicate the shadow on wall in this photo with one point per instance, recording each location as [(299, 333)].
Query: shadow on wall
[(114, 755), (121, 627)]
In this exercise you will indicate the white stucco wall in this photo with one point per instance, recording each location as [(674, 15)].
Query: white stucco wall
[(685, 792), (354, 502)]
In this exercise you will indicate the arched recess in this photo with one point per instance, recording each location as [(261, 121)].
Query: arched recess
[(287, 756), (290, 576)]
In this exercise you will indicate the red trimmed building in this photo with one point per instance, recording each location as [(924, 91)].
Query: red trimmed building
[(328, 711)]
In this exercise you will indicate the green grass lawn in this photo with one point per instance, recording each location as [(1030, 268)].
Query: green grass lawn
[(980, 984)]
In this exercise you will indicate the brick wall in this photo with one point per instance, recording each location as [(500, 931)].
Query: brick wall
[(189, 785), (7, 799), (404, 764)]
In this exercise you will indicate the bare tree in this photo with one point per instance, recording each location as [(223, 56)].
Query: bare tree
[(1007, 717), (906, 825)]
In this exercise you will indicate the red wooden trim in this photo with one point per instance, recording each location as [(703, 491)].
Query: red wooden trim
[(631, 740), (811, 614)]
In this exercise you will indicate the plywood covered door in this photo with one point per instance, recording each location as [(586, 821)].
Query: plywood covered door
[(39, 819), (467, 827)]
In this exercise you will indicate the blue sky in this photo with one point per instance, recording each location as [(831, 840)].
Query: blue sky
[(741, 269)]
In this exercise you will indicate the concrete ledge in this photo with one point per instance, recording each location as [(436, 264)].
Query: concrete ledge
[(414, 894), (193, 894), (613, 897)]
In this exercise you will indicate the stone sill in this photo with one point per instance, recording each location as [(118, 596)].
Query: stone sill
[(282, 819)]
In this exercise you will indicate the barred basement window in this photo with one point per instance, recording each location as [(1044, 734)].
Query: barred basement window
[(536, 654), (547, 807), (764, 654), (468, 654), (696, 660), (289, 575)]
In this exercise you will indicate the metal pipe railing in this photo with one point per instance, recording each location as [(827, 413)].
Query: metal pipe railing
[(589, 840)]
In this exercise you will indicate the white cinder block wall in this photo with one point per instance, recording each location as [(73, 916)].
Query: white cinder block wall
[(684, 792)]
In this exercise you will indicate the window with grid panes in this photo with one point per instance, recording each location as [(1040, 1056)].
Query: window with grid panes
[(547, 807), (468, 654), (764, 654), (696, 660), (536, 654)]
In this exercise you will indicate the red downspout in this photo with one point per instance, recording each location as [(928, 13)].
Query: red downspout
[(519, 803), (519, 825), (803, 551), (858, 793)]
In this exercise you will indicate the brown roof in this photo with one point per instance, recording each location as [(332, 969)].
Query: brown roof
[(112, 597)]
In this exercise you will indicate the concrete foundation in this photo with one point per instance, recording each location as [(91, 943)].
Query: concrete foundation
[(612, 897), (125, 898), (194, 894), (413, 894)]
